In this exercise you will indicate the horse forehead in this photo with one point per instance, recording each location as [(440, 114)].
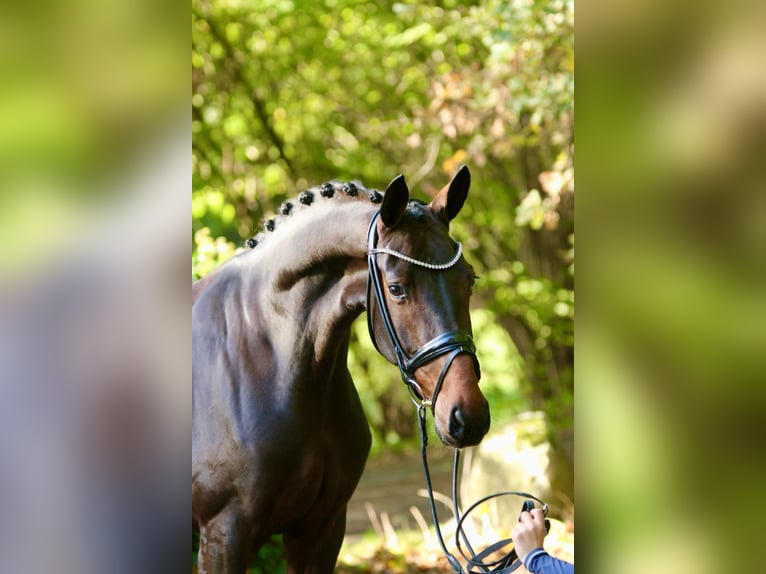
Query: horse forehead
[(421, 229)]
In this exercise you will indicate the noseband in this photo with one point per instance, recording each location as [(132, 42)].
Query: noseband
[(452, 342)]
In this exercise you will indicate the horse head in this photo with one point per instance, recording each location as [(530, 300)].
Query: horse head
[(418, 310)]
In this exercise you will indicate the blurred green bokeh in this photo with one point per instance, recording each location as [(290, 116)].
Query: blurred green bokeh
[(670, 366), (88, 90), (93, 101)]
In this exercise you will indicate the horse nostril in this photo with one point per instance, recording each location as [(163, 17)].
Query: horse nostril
[(456, 424)]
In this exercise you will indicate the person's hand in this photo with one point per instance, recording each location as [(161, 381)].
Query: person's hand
[(529, 533)]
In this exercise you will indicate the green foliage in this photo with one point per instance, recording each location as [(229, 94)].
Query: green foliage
[(209, 253), (270, 560), (289, 93)]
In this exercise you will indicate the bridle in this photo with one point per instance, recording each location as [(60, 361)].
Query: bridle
[(453, 343)]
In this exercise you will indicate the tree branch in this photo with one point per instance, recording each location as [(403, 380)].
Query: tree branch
[(258, 104)]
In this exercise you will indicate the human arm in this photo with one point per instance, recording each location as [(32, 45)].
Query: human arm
[(528, 536)]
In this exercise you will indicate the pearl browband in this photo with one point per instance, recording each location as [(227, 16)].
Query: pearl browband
[(408, 259)]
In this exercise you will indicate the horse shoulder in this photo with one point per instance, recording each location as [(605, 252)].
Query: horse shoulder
[(231, 337)]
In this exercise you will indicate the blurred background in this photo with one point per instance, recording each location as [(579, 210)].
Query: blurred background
[(289, 94), (670, 337), (95, 401)]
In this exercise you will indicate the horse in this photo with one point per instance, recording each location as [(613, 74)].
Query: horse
[(279, 437)]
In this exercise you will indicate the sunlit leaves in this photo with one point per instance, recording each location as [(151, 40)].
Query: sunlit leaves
[(208, 252), (532, 210)]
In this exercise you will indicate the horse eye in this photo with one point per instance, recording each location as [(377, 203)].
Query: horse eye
[(396, 291)]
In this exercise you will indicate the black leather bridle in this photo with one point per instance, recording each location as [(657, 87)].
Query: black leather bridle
[(452, 342)]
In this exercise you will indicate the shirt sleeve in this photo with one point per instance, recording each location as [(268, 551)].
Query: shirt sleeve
[(540, 562)]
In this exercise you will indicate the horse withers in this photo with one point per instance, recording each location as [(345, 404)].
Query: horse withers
[(279, 438)]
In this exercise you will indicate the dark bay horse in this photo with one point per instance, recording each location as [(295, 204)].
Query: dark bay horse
[(279, 437)]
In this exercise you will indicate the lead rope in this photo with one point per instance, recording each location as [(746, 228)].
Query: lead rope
[(423, 445), (507, 563)]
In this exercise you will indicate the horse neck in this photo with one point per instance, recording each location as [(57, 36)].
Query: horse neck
[(317, 274)]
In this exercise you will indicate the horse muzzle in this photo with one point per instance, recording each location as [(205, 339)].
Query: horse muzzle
[(461, 414)]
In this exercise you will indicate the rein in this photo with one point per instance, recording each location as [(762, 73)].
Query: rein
[(453, 343)]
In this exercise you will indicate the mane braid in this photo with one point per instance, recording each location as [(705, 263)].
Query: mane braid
[(351, 189)]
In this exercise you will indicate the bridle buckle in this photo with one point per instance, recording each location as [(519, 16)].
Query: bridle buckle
[(417, 394)]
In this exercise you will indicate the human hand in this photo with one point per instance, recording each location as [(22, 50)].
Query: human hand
[(529, 532)]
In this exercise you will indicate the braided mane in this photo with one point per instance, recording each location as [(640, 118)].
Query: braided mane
[(325, 192)]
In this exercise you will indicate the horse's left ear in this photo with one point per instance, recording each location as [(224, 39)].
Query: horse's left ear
[(394, 202), (451, 198)]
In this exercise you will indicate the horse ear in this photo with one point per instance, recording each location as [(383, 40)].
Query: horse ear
[(394, 202), (451, 198)]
